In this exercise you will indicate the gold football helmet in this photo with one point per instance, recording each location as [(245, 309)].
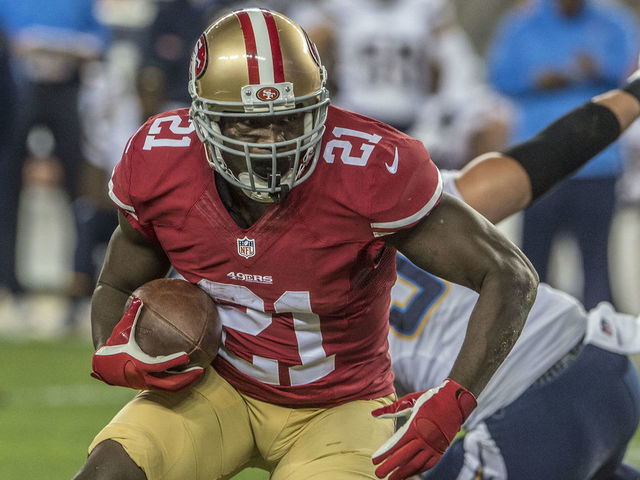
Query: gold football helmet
[(257, 63)]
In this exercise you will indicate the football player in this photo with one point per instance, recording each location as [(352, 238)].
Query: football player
[(566, 401), (288, 212)]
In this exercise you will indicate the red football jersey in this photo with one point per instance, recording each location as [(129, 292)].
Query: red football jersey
[(303, 293)]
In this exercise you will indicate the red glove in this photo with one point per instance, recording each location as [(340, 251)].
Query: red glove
[(122, 362), (435, 417)]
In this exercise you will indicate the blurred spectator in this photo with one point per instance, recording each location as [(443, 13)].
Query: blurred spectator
[(457, 126), (166, 50), (166, 47), (45, 223), (50, 41), (549, 56), (410, 64), (146, 80), (9, 171)]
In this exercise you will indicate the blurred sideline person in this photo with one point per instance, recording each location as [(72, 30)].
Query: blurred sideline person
[(294, 233), (167, 45), (166, 50), (409, 64), (9, 170), (50, 43), (566, 401), (50, 48), (461, 124), (549, 56)]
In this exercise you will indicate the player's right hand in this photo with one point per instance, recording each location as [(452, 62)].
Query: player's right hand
[(122, 362)]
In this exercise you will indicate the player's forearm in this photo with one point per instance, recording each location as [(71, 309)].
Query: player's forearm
[(565, 145), (500, 184), (131, 261), (625, 106), (571, 141), (107, 307), (506, 296)]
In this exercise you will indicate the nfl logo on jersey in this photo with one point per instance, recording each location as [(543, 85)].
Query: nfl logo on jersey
[(246, 247)]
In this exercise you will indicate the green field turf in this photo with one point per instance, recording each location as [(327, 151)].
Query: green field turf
[(50, 409)]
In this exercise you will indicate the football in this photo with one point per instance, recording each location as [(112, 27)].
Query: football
[(177, 316)]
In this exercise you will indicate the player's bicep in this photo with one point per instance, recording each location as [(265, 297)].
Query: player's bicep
[(454, 242), (132, 259)]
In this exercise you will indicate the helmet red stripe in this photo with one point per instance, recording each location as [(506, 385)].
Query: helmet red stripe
[(250, 47), (276, 52)]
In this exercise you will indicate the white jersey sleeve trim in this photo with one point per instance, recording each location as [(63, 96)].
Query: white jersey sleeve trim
[(128, 208), (449, 183), (392, 227)]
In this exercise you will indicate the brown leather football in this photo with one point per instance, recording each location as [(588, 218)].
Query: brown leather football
[(178, 316)]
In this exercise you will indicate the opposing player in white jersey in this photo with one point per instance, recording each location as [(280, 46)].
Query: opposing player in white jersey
[(383, 52), (566, 401)]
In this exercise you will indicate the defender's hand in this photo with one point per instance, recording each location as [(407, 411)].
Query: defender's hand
[(435, 417), (122, 362)]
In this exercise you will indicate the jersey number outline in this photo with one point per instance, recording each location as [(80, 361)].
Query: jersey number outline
[(346, 146), (412, 298), (306, 324), (174, 121)]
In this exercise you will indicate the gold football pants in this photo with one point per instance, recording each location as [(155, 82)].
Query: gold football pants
[(211, 431)]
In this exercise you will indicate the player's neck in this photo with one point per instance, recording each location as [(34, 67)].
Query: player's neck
[(244, 211)]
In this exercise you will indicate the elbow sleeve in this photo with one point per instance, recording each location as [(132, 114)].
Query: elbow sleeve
[(565, 145)]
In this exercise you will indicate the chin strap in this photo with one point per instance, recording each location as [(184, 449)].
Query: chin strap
[(280, 196), (266, 197)]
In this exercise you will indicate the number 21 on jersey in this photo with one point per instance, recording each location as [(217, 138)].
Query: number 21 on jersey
[(158, 135), (306, 325), (346, 146)]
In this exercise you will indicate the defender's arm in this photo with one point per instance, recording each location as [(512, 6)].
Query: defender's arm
[(500, 184)]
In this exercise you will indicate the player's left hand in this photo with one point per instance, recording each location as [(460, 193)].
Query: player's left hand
[(435, 417)]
